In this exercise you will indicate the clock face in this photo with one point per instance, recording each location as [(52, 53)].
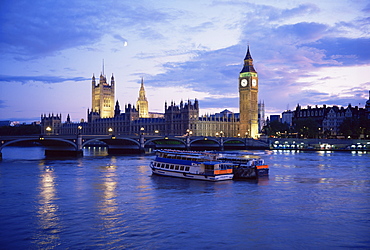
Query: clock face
[(244, 83), (254, 82)]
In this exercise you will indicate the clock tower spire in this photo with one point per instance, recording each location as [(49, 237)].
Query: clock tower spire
[(248, 96)]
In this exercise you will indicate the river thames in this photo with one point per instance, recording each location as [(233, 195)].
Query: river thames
[(311, 200)]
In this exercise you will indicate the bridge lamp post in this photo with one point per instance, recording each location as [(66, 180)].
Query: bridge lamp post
[(110, 131), (188, 134), (156, 132), (141, 139), (48, 130), (79, 129)]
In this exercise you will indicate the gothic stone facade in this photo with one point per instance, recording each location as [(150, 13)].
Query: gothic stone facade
[(182, 119)]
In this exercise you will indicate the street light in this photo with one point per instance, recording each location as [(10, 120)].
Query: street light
[(142, 130), (79, 129), (48, 130), (110, 130)]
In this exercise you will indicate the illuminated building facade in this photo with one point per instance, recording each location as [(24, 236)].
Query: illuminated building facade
[(103, 97), (248, 96), (142, 102), (106, 117)]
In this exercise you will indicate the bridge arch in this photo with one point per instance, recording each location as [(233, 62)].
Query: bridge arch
[(165, 139), (240, 140), (166, 142), (204, 143), (106, 140), (43, 141)]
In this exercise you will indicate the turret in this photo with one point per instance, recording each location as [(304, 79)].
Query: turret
[(117, 110), (93, 80), (112, 80), (248, 63)]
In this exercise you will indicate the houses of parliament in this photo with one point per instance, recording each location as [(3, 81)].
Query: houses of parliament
[(107, 117)]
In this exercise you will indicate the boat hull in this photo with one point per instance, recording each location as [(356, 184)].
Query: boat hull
[(250, 173), (193, 176)]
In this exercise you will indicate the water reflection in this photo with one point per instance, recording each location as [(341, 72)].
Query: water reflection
[(95, 151), (108, 187), (48, 220), (144, 201)]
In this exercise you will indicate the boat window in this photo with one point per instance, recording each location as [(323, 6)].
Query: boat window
[(182, 168), (171, 167), (176, 167), (209, 166), (162, 165), (187, 168), (167, 166)]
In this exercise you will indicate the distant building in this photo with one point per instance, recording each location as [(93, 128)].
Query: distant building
[(275, 118), (5, 123), (367, 107), (327, 119), (261, 116), (287, 117), (51, 124)]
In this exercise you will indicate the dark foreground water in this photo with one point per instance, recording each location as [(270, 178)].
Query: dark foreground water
[(311, 200)]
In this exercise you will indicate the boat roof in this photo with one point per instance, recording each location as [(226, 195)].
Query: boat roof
[(181, 152)]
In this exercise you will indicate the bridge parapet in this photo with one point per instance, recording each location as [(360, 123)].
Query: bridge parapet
[(65, 144), (319, 144)]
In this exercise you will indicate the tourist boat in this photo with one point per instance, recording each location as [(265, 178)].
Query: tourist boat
[(191, 165), (246, 166), (208, 166)]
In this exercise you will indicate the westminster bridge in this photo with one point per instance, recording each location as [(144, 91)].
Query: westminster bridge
[(72, 145)]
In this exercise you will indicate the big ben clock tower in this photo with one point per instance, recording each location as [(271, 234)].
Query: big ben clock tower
[(248, 104)]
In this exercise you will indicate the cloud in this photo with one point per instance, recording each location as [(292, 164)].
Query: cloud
[(301, 32), (199, 28), (2, 104), (44, 27), (346, 51), (43, 79), (303, 9), (217, 102), (120, 38)]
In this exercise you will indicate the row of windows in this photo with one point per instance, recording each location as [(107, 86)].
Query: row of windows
[(179, 157), (168, 166), (312, 113)]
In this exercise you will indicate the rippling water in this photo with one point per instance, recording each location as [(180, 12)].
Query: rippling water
[(311, 200)]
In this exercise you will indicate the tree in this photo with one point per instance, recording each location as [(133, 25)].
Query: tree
[(276, 128), (307, 128), (20, 130), (354, 127)]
